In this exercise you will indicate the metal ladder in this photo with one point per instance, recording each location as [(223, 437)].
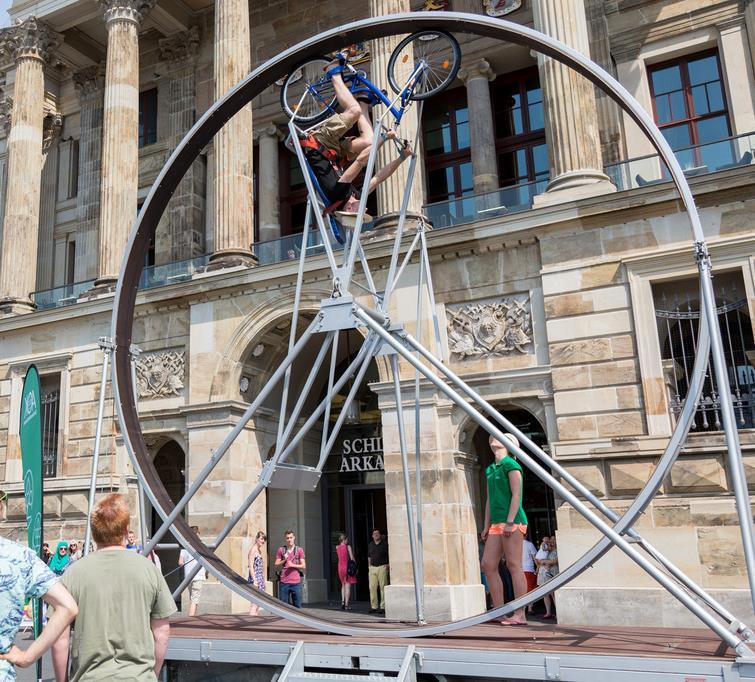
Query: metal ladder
[(295, 670)]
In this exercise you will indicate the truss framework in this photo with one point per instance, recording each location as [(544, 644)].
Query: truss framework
[(341, 312)]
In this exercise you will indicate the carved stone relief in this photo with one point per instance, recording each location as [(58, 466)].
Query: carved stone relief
[(490, 328), (160, 375)]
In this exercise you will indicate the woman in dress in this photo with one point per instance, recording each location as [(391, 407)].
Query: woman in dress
[(505, 527), (59, 561), (345, 554), (257, 567)]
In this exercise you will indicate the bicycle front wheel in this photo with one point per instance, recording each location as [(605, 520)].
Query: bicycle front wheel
[(437, 51), (307, 94)]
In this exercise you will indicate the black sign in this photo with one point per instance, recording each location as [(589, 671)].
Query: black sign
[(362, 452)]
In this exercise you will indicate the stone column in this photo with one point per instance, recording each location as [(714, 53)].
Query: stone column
[(268, 197), (120, 130), (571, 118), (30, 43), (234, 146), (48, 199), (181, 234), (451, 567), (737, 72), (391, 192), (476, 77), (89, 84)]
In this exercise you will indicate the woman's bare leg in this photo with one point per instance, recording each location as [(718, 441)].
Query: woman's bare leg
[(512, 550), (491, 558)]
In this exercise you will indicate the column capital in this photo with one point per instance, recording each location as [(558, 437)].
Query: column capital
[(270, 130), (180, 49), (29, 39), (477, 69), (89, 81), (6, 113), (129, 11)]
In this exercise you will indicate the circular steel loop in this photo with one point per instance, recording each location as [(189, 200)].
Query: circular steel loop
[(181, 159)]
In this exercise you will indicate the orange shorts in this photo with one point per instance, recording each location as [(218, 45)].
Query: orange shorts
[(497, 528)]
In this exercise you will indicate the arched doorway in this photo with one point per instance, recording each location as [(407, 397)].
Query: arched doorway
[(170, 463), (538, 502)]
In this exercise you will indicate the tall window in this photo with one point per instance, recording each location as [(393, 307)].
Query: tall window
[(49, 390), (677, 310), (519, 128), (447, 152), (689, 105), (147, 117)]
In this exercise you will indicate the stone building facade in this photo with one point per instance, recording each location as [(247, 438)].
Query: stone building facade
[(563, 275)]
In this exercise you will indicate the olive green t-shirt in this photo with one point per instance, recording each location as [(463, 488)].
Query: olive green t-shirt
[(118, 593), (499, 490)]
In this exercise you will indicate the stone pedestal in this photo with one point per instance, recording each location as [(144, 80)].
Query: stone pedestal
[(89, 83), (571, 119), (391, 192), (234, 208), (268, 199), (477, 77), (451, 566), (30, 43), (120, 129)]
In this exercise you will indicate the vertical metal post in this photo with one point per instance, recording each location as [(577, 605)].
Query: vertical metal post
[(418, 432), (419, 587), (135, 352), (733, 449), (106, 345)]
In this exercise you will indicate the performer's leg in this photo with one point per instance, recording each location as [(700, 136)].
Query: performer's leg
[(491, 557)]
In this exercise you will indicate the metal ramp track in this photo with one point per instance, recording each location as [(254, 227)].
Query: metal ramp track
[(295, 669)]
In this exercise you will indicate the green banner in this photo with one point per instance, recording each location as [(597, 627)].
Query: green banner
[(30, 435)]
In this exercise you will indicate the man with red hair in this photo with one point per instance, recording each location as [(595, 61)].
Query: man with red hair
[(122, 628)]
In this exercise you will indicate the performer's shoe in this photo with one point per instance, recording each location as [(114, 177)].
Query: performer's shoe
[(348, 219)]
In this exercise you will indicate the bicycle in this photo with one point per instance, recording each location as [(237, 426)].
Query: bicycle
[(308, 97)]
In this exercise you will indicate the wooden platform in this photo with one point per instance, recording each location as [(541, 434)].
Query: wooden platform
[(614, 641)]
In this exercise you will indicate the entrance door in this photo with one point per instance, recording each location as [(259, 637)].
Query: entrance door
[(365, 507)]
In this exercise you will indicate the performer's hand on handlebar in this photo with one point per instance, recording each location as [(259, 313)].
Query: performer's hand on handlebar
[(406, 150)]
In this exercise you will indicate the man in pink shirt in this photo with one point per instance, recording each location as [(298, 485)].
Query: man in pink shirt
[(290, 563)]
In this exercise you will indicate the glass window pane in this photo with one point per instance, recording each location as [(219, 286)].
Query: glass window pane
[(537, 121), (440, 183), (540, 159), (678, 136), (467, 184), (703, 70), (700, 100), (678, 106), (712, 129), (715, 96), (666, 79), (534, 91), (662, 109), (462, 135)]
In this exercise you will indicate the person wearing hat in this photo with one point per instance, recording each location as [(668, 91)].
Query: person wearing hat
[(24, 576)]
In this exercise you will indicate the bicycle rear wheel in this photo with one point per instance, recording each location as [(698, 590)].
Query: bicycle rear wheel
[(438, 50), (307, 94)]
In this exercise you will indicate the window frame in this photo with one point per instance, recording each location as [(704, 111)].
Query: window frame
[(148, 107), (527, 140), (453, 159), (691, 120)]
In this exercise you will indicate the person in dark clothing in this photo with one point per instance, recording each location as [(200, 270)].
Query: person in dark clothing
[(377, 560)]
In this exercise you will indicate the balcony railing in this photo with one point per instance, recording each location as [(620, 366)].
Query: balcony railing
[(701, 159), (475, 207), (58, 297), (171, 273)]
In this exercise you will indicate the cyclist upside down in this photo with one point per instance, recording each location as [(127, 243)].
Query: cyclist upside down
[(337, 159)]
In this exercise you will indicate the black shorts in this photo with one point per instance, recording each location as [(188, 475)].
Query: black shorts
[(327, 177)]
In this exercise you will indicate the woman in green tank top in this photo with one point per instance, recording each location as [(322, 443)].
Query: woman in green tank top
[(505, 527)]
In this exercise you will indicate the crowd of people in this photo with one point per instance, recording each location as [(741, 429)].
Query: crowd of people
[(123, 621)]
